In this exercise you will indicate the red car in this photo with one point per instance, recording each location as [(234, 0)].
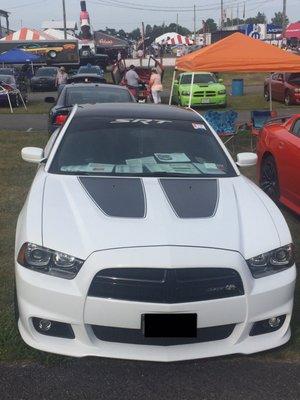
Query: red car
[(285, 87), (278, 151)]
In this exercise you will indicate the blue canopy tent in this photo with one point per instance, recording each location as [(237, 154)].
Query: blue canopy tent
[(17, 56)]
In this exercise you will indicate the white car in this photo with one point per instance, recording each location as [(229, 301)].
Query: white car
[(140, 239)]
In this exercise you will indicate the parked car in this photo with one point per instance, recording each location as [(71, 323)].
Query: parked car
[(82, 93), (44, 79), (10, 84), (278, 152), (86, 78), (285, 88), (8, 71), (91, 69), (140, 239), (206, 90)]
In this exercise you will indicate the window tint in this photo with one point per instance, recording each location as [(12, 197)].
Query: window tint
[(96, 94), (198, 78), (294, 78), (46, 72), (296, 128), (140, 147)]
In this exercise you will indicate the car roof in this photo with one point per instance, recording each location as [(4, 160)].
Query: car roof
[(137, 111), (197, 73), (95, 84)]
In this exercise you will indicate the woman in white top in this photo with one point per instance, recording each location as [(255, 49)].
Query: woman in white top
[(155, 86)]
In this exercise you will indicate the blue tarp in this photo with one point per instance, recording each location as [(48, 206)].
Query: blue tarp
[(17, 56)]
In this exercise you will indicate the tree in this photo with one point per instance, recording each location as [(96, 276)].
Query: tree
[(210, 25), (278, 19)]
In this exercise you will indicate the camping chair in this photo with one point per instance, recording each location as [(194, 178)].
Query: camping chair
[(9, 91), (258, 119), (225, 124)]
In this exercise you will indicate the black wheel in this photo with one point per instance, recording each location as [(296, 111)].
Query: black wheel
[(268, 179), (266, 94), (287, 99)]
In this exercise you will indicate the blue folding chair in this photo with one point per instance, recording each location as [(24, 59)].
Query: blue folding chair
[(258, 119), (224, 123)]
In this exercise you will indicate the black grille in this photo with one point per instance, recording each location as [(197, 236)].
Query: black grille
[(136, 336), (157, 285)]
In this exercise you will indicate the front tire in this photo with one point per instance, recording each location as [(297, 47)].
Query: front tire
[(266, 94), (268, 180), (287, 99)]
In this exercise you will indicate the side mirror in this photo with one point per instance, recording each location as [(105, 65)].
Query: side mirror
[(32, 154), (246, 159), (220, 80), (49, 100)]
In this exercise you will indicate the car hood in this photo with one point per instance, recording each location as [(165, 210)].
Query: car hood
[(82, 216)]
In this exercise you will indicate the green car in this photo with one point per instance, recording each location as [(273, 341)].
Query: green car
[(206, 90)]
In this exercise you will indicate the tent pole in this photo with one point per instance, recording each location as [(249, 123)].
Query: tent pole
[(270, 93), (172, 87), (191, 89)]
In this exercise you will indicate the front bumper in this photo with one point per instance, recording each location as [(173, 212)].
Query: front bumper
[(66, 301), (218, 100)]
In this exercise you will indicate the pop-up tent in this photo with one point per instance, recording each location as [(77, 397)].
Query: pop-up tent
[(17, 56), (237, 53), (293, 31)]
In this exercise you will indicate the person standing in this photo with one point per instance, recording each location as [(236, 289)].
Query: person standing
[(140, 55), (155, 86), (61, 77), (132, 81)]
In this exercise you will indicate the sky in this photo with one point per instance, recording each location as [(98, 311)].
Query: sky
[(121, 14)]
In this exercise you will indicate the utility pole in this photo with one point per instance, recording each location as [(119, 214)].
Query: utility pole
[(65, 18), (177, 22), (194, 23), (222, 14), (284, 16)]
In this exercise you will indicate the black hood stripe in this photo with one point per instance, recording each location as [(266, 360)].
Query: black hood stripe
[(192, 198), (117, 197)]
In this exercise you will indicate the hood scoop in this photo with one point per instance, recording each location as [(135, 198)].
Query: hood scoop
[(192, 198), (116, 197)]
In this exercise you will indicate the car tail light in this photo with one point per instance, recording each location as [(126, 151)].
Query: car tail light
[(61, 119)]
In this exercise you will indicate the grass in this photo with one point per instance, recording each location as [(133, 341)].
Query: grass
[(33, 107), (15, 180)]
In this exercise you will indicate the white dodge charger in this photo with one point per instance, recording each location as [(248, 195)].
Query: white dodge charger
[(140, 239)]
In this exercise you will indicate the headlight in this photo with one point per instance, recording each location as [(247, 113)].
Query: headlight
[(48, 261), (272, 262), (222, 91), (297, 90), (185, 93)]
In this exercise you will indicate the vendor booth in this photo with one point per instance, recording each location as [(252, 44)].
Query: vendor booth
[(237, 53)]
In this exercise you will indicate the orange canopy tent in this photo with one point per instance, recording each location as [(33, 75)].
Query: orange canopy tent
[(238, 53)]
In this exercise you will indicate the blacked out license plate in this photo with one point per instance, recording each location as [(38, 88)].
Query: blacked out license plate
[(170, 325)]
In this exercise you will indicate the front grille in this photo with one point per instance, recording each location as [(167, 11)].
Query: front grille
[(158, 285), (207, 93), (136, 336)]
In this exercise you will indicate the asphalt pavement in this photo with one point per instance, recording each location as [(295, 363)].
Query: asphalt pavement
[(96, 379)]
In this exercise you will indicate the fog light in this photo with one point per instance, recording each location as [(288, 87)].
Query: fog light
[(45, 325), (53, 328), (274, 322), (267, 325)]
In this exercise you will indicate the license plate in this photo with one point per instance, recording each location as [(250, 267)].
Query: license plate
[(205, 101), (170, 325)]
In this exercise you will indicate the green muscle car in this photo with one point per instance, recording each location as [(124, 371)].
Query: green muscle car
[(206, 90)]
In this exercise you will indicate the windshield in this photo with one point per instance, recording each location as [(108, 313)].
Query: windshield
[(294, 78), (96, 94), (90, 70), (140, 147), (6, 71), (46, 72), (198, 78), (7, 79)]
